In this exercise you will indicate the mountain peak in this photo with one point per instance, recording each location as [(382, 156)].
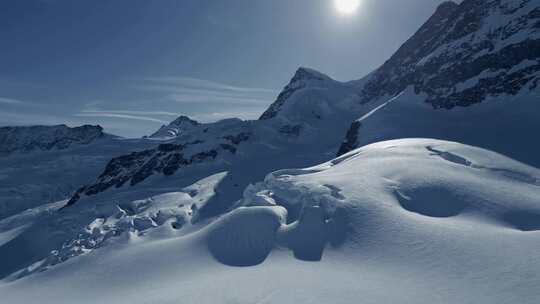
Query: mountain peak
[(303, 78), (303, 73), (177, 126), (184, 119), (446, 7)]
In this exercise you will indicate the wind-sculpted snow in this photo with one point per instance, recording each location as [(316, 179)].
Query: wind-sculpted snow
[(41, 238), (246, 236), (437, 221)]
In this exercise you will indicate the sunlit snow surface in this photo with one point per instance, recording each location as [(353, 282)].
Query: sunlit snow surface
[(405, 221)]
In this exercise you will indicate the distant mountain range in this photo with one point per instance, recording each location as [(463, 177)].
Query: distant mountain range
[(45, 138)]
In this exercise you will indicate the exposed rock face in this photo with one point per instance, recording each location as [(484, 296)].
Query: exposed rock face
[(351, 138), (465, 53), (136, 167), (44, 138), (213, 140)]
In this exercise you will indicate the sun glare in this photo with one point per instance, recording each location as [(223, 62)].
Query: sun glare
[(347, 7)]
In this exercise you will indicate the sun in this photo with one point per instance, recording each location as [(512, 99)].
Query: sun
[(347, 6)]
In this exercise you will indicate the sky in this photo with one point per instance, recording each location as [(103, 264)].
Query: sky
[(134, 65)]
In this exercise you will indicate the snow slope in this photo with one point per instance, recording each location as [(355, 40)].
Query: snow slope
[(138, 169), (505, 124), (469, 74), (302, 128), (33, 178), (408, 221)]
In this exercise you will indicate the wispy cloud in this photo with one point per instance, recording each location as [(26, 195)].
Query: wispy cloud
[(215, 116), (211, 99), (11, 101), (201, 92), (121, 116), (130, 112), (93, 109), (150, 102), (195, 83)]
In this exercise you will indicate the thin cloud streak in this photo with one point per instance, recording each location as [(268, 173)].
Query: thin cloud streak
[(216, 116), (193, 91), (11, 101), (188, 82), (215, 100), (121, 116), (165, 98), (130, 112)]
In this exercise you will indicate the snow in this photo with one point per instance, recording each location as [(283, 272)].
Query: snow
[(491, 124), (31, 138), (390, 237), (37, 178), (413, 220), (176, 128)]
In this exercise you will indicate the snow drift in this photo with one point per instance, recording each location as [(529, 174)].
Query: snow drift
[(413, 221)]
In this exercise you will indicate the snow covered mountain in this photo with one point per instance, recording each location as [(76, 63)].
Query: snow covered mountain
[(465, 53), (44, 138), (236, 152), (44, 164), (177, 127), (434, 86), (303, 127), (213, 212), (469, 74)]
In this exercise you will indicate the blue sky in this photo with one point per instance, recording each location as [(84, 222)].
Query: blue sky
[(133, 65)]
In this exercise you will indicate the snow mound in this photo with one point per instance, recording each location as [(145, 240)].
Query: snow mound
[(502, 125), (419, 179), (411, 221), (41, 238), (246, 236)]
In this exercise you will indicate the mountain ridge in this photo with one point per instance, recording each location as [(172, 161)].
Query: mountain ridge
[(30, 138)]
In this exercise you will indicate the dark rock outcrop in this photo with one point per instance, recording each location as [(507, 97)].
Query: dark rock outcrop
[(462, 42)]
